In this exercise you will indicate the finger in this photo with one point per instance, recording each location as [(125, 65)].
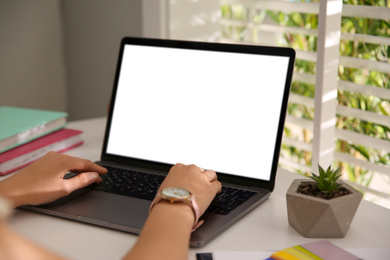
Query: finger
[(217, 186), (78, 165), (81, 180), (212, 175)]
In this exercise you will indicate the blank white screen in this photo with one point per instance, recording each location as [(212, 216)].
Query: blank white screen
[(217, 110)]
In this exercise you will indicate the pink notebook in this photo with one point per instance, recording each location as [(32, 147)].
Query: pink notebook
[(23, 155)]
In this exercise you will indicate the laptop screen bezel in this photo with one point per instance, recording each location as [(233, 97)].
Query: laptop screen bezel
[(221, 47)]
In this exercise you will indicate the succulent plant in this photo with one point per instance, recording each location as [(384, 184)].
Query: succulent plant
[(326, 181)]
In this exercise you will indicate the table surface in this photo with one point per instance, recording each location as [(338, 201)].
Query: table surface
[(264, 229)]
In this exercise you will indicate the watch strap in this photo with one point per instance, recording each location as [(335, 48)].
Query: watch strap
[(192, 203)]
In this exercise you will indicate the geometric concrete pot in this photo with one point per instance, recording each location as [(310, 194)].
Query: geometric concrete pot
[(321, 218)]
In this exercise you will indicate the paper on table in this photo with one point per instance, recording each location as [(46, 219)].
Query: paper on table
[(323, 248)]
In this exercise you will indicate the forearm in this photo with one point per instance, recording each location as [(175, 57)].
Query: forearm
[(166, 233), (14, 246)]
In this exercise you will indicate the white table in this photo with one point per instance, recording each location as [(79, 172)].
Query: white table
[(264, 229)]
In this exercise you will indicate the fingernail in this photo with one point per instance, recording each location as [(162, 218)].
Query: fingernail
[(94, 176)]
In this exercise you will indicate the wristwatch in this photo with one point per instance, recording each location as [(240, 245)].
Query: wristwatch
[(174, 194)]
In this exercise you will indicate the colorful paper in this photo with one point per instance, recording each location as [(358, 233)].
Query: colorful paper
[(320, 250)]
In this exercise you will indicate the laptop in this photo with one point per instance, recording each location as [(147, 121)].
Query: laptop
[(219, 106)]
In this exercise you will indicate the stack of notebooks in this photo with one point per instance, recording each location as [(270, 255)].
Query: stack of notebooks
[(28, 134)]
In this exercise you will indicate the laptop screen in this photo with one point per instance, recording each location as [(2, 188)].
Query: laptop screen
[(219, 110)]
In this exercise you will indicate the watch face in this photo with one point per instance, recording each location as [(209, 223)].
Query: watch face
[(175, 193)]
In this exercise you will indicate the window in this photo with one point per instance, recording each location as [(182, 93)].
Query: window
[(340, 102)]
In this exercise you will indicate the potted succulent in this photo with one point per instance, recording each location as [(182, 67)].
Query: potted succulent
[(322, 207)]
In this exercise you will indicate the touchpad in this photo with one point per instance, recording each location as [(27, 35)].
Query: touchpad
[(104, 209)]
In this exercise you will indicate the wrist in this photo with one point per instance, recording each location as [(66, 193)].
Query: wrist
[(166, 233), (7, 193), (174, 211), (182, 196)]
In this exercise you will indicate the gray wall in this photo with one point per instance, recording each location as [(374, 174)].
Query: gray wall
[(92, 33), (31, 54), (61, 54)]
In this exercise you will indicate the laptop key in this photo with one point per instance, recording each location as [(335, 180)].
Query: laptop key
[(228, 200)]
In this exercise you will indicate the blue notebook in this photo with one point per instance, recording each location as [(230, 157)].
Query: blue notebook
[(21, 125)]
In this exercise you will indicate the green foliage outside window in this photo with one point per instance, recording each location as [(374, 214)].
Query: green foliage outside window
[(356, 49)]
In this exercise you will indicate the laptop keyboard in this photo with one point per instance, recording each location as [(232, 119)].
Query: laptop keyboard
[(130, 183), (145, 185)]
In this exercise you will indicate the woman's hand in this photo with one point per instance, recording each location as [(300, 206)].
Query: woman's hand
[(167, 231), (43, 181)]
